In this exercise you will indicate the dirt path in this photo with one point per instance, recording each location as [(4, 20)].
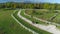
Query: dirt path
[(44, 20), (23, 25), (49, 28)]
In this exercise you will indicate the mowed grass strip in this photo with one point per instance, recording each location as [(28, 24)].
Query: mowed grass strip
[(30, 26), (8, 25)]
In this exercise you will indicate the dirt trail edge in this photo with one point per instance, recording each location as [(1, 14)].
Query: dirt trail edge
[(49, 28), (23, 25)]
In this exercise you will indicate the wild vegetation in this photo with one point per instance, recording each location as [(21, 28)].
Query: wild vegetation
[(31, 17), (14, 5), (49, 15)]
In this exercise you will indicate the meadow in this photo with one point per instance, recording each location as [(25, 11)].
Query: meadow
[(8, 25)]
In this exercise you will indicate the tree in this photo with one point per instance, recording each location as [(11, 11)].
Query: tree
[(46, 6)]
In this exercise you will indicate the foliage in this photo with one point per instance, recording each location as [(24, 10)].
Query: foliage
[(14, 5)]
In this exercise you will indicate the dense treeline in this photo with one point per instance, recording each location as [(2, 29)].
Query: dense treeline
[(29, 5)]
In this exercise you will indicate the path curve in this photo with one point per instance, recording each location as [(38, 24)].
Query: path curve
[(49, 28), (43, 20), (22, 24)]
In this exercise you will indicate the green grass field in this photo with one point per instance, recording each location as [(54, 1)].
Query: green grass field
[(30, 26), (8, 25)]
